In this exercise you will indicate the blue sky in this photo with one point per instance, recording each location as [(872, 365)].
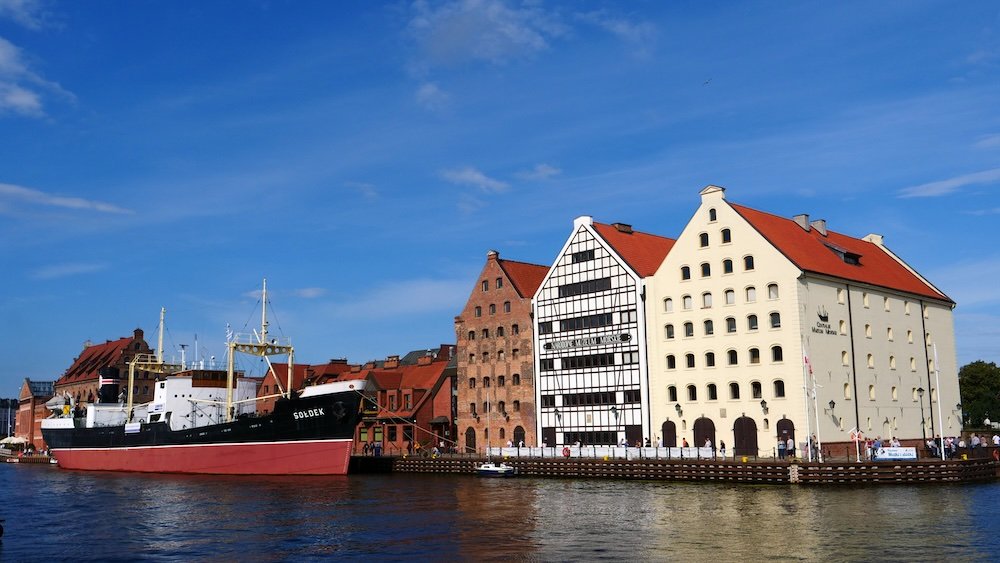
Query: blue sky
[(364, 157)]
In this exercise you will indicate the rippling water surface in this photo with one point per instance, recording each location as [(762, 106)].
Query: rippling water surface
[(58, 515)]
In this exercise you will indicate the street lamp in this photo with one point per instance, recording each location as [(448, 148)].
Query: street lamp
[(763, 406), (923, 423), (832, 404)]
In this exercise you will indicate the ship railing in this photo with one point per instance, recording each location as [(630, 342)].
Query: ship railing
[(253, 338)]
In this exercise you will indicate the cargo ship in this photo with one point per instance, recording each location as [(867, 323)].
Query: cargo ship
[(205, 421)]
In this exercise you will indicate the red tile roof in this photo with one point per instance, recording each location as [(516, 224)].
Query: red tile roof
[(525, 277), (809, 251), (280, 372), (94, 358), (642, 251)]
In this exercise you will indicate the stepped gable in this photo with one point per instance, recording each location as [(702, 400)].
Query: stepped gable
[(819, 250), (93, 358), (642, 251), (525, 276)]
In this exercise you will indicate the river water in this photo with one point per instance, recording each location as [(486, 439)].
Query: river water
[(61, 515)]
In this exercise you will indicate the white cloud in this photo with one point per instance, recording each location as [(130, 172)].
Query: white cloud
[(988, 142), (641, 34), (540, 172), (487, 30), (27, 13), (11, 192), (20, 88), (471, 177), (406, 297), (68, 269), (430, 97), (951, 185), (309, 292)]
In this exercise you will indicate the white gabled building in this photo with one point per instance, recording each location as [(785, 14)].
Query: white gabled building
[(591, 376), (748, 304)]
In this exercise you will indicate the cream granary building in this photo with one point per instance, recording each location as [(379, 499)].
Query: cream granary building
[(750, 313)]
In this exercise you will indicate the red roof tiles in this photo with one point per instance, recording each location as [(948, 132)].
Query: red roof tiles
[(809, 251), (642, 251), (94, 358), (525, 277)]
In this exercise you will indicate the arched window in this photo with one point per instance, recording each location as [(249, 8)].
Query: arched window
[(727, 266), (751, 294), (772, 291), (847, 391), (486, 382), (486, 333), (493, 308), (671, 362), (868, 331), (711, 214), (734, 390), (703, 239), (754, 356), (502, 408), (478, 311), (755, 391), (871, 361), (692, 393), (668, 331), (748, 263), (732, 357), (845, 358), (687, 302), (730, 325), (727, 236), (499, 331), (689, 360), (506, 306), (779, 388), (892, 362), (668, 305), (751, 322), (730, 297), (516, 379), (472, 383), (871, 392), (685, 272), (472, 335), (709, 328), (777, 355), (706, 300), (710, 359), (514, 329), (706, 269), (713, 393), (672, 394), (775, 320), (501, 381)]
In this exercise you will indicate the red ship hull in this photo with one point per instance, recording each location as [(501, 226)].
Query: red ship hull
[(303, 457)]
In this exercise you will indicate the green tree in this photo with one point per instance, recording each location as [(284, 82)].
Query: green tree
[(980, 391)]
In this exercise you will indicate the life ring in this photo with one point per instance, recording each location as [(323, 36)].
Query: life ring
[(566, 451)]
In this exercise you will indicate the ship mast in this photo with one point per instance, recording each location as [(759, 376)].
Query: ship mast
[(148, 362), (262, 348)]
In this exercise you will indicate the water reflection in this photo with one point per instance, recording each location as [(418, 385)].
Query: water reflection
[(116, 517)]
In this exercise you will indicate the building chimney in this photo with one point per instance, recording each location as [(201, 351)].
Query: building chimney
[(623, 228), (820, 226), (803, 221), (392, 362), (492, 255), (425, 360)]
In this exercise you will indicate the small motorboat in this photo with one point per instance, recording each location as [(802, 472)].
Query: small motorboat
[(494, 469)]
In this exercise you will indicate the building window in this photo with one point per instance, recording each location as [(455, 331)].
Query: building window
[(734, 390), (486, 285), (584, 287), (888, 334), (687, 302), (751, 322), (871, 392), (472, 408), (864, 299), (479, 311), (775, 320), (913, 364), (892, 362), (730, 325), (500, 331), (517, 406), (629, 316), (685, 272), (779, 388), (486, 406), (847, 391), (671, 362), (710, 359), (703, 239), (499, 355), (688, 329), (871, 361), (845, 358), (868, 331), (727, 236), (927, 312), (751, 294), (583, 256), (506, 306), (885, 303), (772, 291), (672, 394), (668, 331), (692, 393), (548, 364), (472, 335), (472, 383), (732, 357), (713, 394), (486, 382), (706, 270), (748, 263), (493, 308), (630, 357), (843, 327), (668, 305), (755, 391), (727, 266), (777, 355), (709, 328), (472, 358), (909, 336), (689, 360), (754, 356), (548, 400), (543, 328), (841, 296), (486, 357), (499, 283), (516, 379), (502, 409), (906, 307), (514, 329), (711, 214), (706, 300), (730, 297), (486, 333)]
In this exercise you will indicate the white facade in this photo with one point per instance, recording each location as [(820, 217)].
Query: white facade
[(590, 357), (731, 320)]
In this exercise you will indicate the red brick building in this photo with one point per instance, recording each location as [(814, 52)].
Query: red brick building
[(303, 375), (496, 397), (31, 410), (81, 379)]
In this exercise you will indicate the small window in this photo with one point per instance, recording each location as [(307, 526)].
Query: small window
[(501, 381), (514, 329), (486, 333), (906, 307), (706, 300), (478, 311), (727, 266), (868, 331), (493, 308), (499, 283), (672, 394), (500, 355), (732, 357), (500, 331), (730, 325), (727, 236), (775, 320), (847, 391), (751, 294), (709, 328), (779, 388), (711, 214), (668, 331), (710, 359), (730, 297), (892, 362), (772, 291), (871, 392), (909, 336), (486, 285), (777, 355), (734, 390), (748, 263), (692, 393), (688, 329), (885, 303), (888, 334), (688, 303), (472, 358), (754, 356), (472, 383), (506, 306), (751, 322), (871, 361), (755, 390), (472, 335), (671, 362), (865, 300), (841, 296), (843, 327), (668, 305), (713, 394), (689, 360), (517, 406), (685, 272), (703, 239), (845, 358), (706, 270), (516, 379)]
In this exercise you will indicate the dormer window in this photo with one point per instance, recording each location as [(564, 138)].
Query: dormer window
[(847, 256)]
